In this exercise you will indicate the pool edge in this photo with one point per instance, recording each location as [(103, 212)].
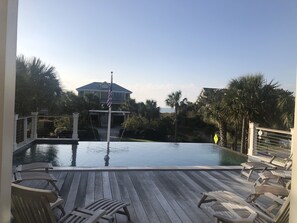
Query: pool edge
[(151, 168)]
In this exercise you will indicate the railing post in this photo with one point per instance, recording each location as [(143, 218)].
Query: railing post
[(292, 133), (34, 124), (15, 145), (25, 129), (252, 138), (75, 126)]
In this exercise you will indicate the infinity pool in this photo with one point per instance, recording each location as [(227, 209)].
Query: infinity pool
[(136, 154)]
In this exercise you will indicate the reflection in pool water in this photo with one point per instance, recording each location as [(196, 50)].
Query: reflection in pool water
[(91, 154)]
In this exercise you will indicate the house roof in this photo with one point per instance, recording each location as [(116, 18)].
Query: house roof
[(103, 86), (205, 92)]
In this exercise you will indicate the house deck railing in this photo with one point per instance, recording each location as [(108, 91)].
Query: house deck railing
[(44, 128), (265, 142)]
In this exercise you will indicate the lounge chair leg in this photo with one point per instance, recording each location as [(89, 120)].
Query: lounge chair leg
[(202, 200), (242, 171), (55, 186), (249, 174), (246, 172), (62, 210), (252, 197), (127, 213), (260, 181)]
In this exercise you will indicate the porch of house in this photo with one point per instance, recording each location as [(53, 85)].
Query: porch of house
[(155, 195)]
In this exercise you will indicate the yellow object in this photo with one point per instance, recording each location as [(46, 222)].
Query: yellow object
[(216, 139)]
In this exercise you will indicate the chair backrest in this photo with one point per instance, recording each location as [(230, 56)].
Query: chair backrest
[(282, 215), (31, 205)]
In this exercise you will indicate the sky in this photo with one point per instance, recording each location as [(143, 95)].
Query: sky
[(156, 47)]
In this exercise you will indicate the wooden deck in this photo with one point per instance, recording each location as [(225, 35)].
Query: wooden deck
[(155, 196)]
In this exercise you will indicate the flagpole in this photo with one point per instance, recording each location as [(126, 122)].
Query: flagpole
[(109, 102)]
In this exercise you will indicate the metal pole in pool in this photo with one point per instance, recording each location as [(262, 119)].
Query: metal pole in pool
[(109, 103)]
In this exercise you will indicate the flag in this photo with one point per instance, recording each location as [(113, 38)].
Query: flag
[(109, 96)]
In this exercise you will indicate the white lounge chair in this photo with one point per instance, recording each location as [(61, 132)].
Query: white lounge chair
[(33, 206), (229, 207), (261, 166)]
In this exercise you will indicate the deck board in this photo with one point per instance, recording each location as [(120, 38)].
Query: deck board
[(90, 189), (155, 196)]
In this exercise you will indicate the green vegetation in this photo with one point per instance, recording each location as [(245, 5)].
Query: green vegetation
[(249, 98), (173, 101), (37, 86)]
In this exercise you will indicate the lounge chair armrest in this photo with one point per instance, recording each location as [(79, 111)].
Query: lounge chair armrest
[(233, 213), (37, 166), (276, 190), (224, 218), (96, 215)]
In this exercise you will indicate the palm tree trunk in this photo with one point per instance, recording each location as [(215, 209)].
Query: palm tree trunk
[(235, 137), (223, 134), (243, 136), (175, 127)]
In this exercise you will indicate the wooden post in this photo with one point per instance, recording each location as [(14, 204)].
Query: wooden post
[(75, 126), (34, 124), (15, 145), (8, 38), (25, 129), (292, 133), (252, 138)]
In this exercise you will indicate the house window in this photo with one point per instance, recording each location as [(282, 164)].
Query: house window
[(117, 96), (103, 96)]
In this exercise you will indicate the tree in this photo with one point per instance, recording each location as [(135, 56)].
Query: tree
[(249, 95), (151, 110), (213, 108), (285, 105), (37, 86), (70, 103), (173, 101), (131, 106)]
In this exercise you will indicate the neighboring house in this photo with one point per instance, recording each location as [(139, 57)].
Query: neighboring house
[(208, 92), (119, 94)]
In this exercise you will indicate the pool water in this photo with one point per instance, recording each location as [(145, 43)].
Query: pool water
[(136, 154)]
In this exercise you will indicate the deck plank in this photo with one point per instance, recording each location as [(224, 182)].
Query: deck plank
[(151, 204), (135, 200), (116, 194), (125, 194), (155, 196), (98, 185), (90, 190), (173, 186), (160, 191), (73, 187), (81, 190)]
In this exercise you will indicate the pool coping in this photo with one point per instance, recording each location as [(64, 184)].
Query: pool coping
[(150, 168)]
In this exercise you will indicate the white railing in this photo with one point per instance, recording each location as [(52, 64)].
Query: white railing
[(39, 127), (265, 142)]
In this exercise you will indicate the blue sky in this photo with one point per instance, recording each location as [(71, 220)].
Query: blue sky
[(155, 47)]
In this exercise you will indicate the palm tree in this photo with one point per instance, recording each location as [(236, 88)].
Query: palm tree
[(131, 106), (249, 95), (173, 101), (285, 105), (151, 110), (213, 108), (38, 83)]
